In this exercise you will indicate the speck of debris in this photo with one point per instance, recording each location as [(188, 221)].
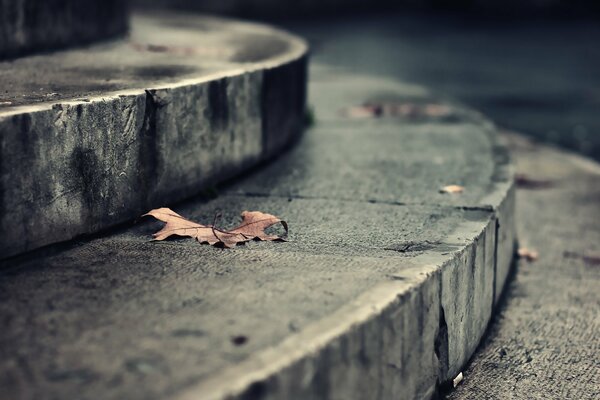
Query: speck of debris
[(452, 189), (456, 381), (239, 340), (293, 327)]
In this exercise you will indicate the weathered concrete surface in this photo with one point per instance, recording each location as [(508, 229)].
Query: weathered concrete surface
[(90, 138), (544, 343), (32, 25), (369, 298)]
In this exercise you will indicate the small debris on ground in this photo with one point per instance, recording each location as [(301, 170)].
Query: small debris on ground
[(527, 254), (452, 189), (239, 340), (456, 381)]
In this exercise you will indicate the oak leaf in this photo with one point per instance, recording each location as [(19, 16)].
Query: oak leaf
[(252, 227)]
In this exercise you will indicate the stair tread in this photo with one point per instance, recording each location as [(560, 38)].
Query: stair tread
[(130, 318)]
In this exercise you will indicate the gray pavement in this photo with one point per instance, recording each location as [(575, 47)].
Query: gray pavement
[(384, 288), (544, 342)]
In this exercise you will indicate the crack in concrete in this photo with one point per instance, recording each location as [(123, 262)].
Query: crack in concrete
[(484, 208), (494, 279), (441, 345)]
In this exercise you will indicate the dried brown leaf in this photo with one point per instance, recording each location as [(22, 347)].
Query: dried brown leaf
[(404, 110), (452, 189), (252, 227), (527, 254)]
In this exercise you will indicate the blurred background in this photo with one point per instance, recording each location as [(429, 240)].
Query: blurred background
[(301, 8), (531, 65)]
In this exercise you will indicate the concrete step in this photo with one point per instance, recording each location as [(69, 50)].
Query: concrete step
[(27, 26), (383, 290), (94, 137), (543, 343)]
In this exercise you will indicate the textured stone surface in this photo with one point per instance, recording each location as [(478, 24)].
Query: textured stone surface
[(369, 298), (419, 155), (91, 138), (31, 25), (544, 342)]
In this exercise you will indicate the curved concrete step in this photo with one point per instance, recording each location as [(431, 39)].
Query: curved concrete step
[(91, 138), (29, 25), (384, 289), (543, 339)]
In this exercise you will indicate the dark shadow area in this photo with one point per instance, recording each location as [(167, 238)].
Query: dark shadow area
[(278, 10)]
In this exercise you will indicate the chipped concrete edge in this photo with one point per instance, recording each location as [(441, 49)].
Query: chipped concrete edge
[(80, 166), (401, 339)]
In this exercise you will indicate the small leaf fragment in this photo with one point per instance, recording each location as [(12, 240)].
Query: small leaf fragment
[(252, 227), (527, 254), (452, 189)]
